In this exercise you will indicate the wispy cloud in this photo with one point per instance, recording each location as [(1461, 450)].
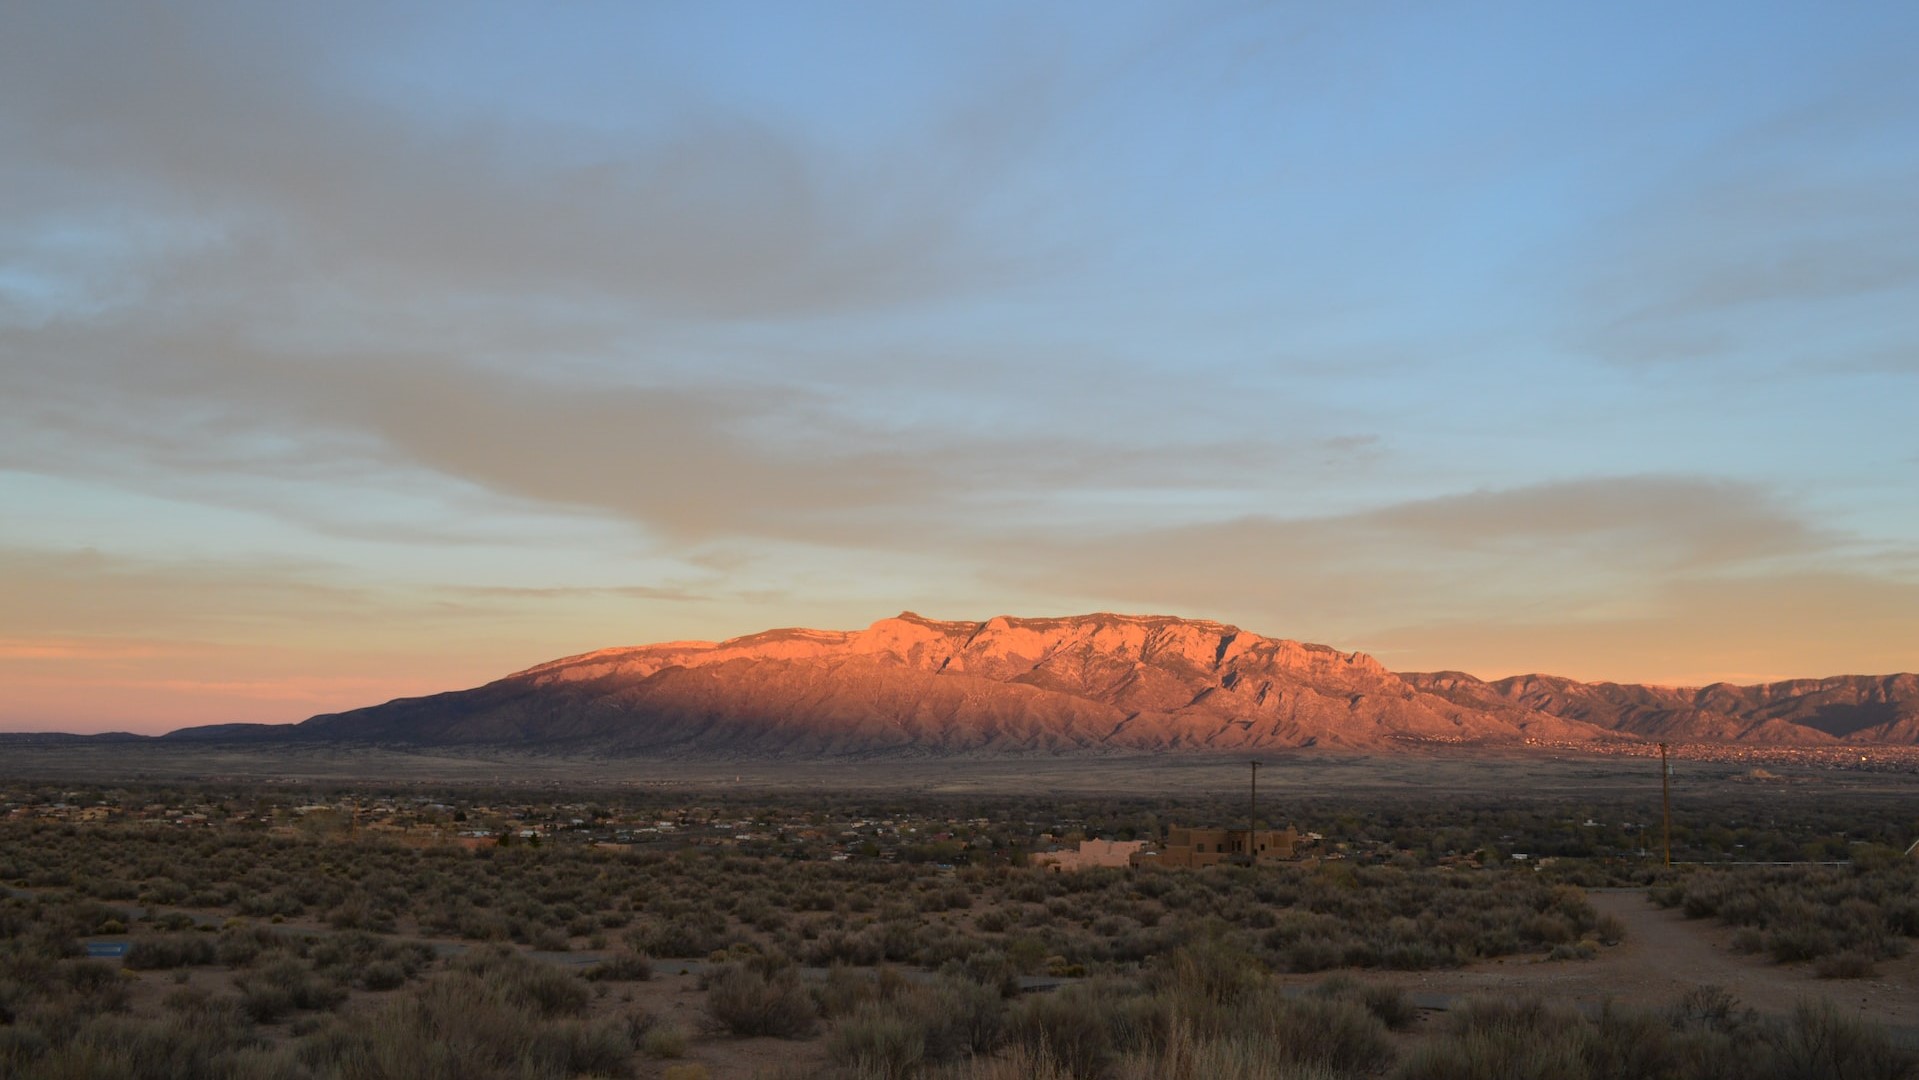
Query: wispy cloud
[(235, 127), (1567, 550), (534, 592), (1778, 228), (1689, 632)]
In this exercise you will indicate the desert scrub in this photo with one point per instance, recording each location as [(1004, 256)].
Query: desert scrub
[(282, 985), (1200, 1015), (528, 985), (1386, 1002), (622, 967), (1868, 910), (171, 951), (949, 1020), (1488, 1039), (880, 1041), (1071, 1030), (745, 1002), (664, 1040), (462, 1024), (1705, 1035)]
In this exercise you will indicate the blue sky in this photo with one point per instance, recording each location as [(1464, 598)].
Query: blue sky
[(356, 351)]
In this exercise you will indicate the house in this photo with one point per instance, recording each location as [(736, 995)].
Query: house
[(1187, 847), (1091, 853)]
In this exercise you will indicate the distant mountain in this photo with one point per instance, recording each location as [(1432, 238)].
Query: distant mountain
[(916, 687), (1842, 709)]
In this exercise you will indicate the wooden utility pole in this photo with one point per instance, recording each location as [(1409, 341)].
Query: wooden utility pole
[(1252, 818), (1665, 798)]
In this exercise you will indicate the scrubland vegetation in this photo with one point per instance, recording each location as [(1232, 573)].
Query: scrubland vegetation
[(994, 922), (1842, 918), (322, 952)]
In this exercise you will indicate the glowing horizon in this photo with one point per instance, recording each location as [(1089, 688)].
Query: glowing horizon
[(352, 353)]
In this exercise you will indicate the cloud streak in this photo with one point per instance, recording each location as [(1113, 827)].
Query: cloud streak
[(1570, 549), (231, 122)]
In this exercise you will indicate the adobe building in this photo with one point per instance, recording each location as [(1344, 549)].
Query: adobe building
[(1091, 853), (1186, 848)]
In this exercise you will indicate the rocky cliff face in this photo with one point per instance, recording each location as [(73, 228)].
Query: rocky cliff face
[(911, 685)]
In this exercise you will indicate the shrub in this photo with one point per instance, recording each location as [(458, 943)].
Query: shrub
[(170, 951), (583, 1047), (162, 1049), (1069, 1028), (1798, 942), (526, 984), (283, 986), (745, 1002), (1026, 1063), (464, 1024), (1315, 953), (1391, 1006), (551, 939), (1214, 970), (1708, 1007), (1321, 1031), (959, 1018), (664, 1041), (239, 946), (383, 975), (1609, 929), (622, 967), (880, 1040), (1851, 964), (891, 1033), (1185, 1057), (1491, 1039), (1628, 1044), (1818, 1042), (843, 991)]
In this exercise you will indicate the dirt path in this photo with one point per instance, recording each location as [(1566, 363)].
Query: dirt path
[(1667, 953), (1664, 955)]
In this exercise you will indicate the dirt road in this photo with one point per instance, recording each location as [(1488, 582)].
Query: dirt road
[(1664, 955)]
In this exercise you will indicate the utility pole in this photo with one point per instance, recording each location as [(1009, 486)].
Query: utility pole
[(1252, 818), (1665, 798)]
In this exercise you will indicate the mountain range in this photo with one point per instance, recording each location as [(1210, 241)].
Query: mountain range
[(912, 686)]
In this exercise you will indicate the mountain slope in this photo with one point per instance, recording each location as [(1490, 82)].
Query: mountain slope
[(1809, 712), (910, 685)]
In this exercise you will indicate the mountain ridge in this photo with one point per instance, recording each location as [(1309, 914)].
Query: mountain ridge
[(1101, 683), (1082, 683)]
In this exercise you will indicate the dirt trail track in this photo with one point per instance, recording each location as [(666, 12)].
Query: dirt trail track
[(1665, 954)]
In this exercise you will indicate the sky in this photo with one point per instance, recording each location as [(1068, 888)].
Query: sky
[(355, 351)]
